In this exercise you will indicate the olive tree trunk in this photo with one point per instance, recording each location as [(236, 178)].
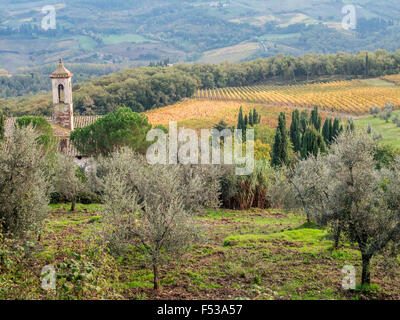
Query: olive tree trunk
[(366, 275), (338, 232), (156, 278), (73, 206)]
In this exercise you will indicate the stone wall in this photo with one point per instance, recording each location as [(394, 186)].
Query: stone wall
[(63, 115)]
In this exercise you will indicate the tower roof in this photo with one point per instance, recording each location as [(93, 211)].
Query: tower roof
[(61, 71)]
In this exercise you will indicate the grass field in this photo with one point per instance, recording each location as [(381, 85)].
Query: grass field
[(235, 53), (116, 39), (244, 255), (390, 132), (86, 42)]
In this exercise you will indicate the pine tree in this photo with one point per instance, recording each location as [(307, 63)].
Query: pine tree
[(280, 152), (2, 126), (312, 143), (295, 134)]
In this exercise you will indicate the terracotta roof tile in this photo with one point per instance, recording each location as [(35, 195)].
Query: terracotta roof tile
[(59, 132)]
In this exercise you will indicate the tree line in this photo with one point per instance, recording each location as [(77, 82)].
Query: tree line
[(147, 88), (153, 87), (306, 136), (35, 80)]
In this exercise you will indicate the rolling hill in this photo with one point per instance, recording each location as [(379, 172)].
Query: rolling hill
[(134, 32)]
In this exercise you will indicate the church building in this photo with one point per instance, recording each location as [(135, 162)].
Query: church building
[(63, 121)]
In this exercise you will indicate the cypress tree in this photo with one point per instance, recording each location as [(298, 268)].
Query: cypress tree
[(326, 131), (330, 130), (352, 126), (303, 121), (276, 150), (251, 121), (335, 129), (295, 134), (255, 116), (280, 152), (246, 121), (2, 126), (240, 125), (312, 143), (315, 119)]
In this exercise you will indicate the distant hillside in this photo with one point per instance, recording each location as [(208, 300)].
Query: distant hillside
[(147, 88), (136, 32)]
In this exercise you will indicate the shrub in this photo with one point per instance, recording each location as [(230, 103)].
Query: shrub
[(23, 184), (153, 206), (396, 119), (44, 130), (345, 189), (243, 192), (374, 111), (68, 180)]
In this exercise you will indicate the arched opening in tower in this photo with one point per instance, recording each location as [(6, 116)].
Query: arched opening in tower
[(61, 94)]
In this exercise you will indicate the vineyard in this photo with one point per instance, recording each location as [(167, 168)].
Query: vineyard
[(355, 97), (202, 114), (394, 78)]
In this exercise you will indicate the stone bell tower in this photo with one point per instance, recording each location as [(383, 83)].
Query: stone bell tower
[(63, 113)]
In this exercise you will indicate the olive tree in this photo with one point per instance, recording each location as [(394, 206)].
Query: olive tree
[(23, 184), (347, 190), (68, 179), (153, 206)]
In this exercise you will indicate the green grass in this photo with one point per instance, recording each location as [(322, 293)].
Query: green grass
[(116, 39), (379, 83), (87, 43), (254, 254), (94, 207), (275, 37), (390, 132)]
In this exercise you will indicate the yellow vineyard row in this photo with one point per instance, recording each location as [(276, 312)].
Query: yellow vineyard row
[(394, 78), (338, 96)]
